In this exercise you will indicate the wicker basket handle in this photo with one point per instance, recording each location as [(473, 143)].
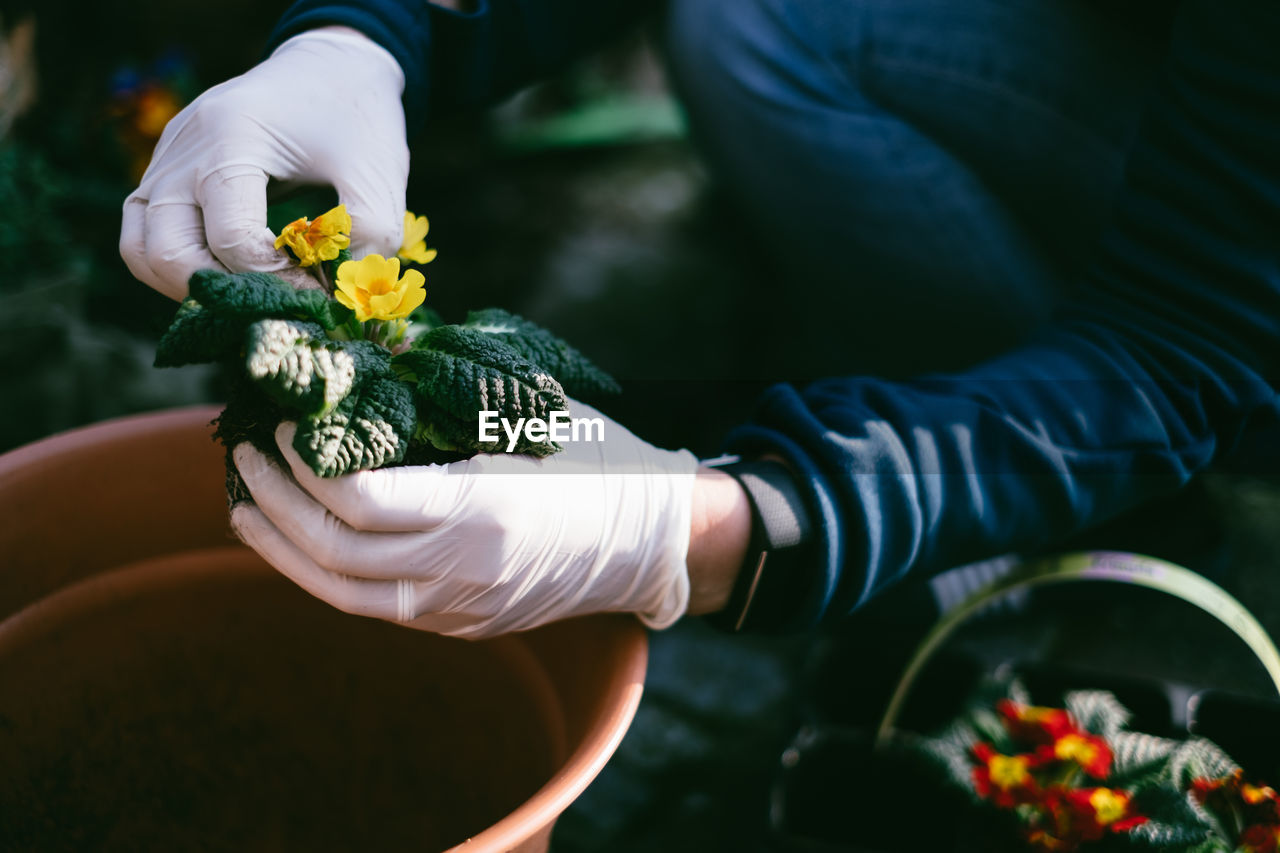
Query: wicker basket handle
[(1090, 566)]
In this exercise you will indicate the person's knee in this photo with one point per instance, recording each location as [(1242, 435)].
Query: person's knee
[(752, 52)]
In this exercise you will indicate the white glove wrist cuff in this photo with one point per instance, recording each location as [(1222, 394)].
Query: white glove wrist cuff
[(351, 42), (672, 565)]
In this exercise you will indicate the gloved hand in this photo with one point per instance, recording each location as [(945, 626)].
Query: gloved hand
[(323, 109), (492, 544)]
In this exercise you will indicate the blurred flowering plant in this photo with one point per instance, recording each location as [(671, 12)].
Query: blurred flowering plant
[(1075, 778), (144, 100)]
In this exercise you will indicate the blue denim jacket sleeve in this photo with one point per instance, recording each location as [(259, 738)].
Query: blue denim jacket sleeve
[(454, 60), (1138, 385)]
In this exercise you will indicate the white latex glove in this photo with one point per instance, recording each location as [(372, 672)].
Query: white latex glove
[(323, 109), (492, 544)]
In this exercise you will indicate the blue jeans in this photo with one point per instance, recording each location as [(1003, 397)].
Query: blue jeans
[(930, 175)]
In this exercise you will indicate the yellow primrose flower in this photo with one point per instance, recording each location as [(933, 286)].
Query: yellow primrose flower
[(319, 239), (373, 288), (414, 245)]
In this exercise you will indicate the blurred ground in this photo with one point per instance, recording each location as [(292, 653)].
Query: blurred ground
[(582, 206)]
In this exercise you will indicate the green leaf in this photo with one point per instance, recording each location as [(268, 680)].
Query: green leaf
[(1097, 711), (1139, 759), (331, 267), (1198, 758), (1172, 821), (424, 319), (573, 370), (372, 361), (443, 431), (949, 751), (464, 372), (1213, 844), (254, 295), (198, 335), (252, 416), (369, 429), (294, 363)]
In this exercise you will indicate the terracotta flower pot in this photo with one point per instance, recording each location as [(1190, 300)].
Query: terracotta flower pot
[(162, 688)]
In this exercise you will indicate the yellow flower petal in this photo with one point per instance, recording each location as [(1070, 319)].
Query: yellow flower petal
[(333, 222), (415, 228), (414, 247), (347, 301), (412, 299), (374, 289), (321, 239), (384, 305), (418, 253), (413, 280)]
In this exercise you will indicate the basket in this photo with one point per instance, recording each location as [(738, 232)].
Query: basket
[(840, 788)]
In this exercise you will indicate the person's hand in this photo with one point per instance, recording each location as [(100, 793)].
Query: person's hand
[(323, 109), (492, 544)]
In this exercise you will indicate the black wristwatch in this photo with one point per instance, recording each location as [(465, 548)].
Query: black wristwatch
[(781, 544)]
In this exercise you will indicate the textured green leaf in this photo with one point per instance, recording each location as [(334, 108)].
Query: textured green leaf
[(950, 752), (443, 431), (1097, 711), (250, 415), (573, 370), (1171, 820), (371, 428), (1139, 759), (989, 726), (1199, 758), (294, 363), (252, 296), (464, 372), (197, 336), (372, 361), (1212, 844)]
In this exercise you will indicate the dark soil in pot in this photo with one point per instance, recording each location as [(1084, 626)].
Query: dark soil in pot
[(203, 702)]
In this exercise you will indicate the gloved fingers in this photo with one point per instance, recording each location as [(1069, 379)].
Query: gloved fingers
[(358, 596), (133, 248), (234, 203), (318, 533), (175, 246), (374, 193), (404, 499)]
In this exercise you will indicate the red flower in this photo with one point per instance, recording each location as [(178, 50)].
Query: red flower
[(1259, 803), (1035, 724), (1260, 838), (1103, 809), (1004, 779), (1089, 751), (1040, 839), (1204, 788), (1084, 814)]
